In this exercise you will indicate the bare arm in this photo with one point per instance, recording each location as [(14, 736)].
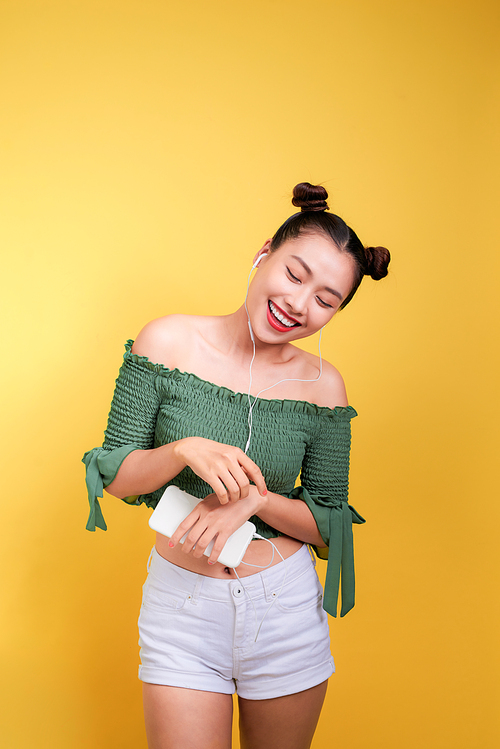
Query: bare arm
[(225, 468), (291, 517), (144, 471), (211, 520)]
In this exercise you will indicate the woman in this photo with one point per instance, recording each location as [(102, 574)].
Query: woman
[(187, 411)]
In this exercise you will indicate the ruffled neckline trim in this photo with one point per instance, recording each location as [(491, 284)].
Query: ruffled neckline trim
[(187, 378)]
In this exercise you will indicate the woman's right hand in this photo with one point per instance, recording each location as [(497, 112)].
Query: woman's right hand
[(223, 467)]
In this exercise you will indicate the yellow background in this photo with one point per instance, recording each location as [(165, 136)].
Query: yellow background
[(148, 148)]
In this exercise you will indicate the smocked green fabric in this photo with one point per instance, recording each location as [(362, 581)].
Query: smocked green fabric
[(153, 406)]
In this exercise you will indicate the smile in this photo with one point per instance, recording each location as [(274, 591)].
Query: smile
[(278, 319)]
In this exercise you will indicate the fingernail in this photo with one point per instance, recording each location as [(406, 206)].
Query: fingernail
[(171, 544), (264, 492), (210, 562)]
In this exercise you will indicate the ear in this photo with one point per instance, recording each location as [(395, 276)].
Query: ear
[(264, 250)]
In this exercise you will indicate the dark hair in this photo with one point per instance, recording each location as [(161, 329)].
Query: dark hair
[(313, 219)]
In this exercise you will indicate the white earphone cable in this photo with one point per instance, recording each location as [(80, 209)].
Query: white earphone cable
[(250, 423), (275, 595), (286, 379)]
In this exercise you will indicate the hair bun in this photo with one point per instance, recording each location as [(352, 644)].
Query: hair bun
[(377, 261), (309, 197)]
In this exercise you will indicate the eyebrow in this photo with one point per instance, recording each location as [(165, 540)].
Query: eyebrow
[(309, 271)]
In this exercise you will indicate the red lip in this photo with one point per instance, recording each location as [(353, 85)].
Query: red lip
[(275, 323)]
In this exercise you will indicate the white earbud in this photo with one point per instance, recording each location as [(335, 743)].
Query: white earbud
[(258, 260)]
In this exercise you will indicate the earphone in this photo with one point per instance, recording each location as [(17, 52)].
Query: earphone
[(258, 260), (264, 567), (286, 379), (263, 254), (258, 625)]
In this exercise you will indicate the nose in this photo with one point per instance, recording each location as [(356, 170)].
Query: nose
[(296, 303)]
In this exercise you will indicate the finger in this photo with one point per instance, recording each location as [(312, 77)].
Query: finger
[(219, 490), (203, 542), (184, 527), (219, 542), (192, 540), (241, 479), (254, 473), (232, 486)]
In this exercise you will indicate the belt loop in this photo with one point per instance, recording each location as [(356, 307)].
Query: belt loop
[(268, 590), (149, 560), (197, 590)]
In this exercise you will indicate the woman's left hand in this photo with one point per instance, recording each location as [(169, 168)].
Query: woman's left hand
[(212, 521)]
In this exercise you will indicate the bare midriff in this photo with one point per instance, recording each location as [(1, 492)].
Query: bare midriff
[(259, 553)]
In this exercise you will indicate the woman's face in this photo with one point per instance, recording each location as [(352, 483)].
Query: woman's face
[(298, 288)]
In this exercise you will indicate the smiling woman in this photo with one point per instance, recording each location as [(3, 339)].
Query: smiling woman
[(187, 393), (306, 283)]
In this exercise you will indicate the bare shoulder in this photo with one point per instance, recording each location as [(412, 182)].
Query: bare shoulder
[(330, 389), (161, 339)]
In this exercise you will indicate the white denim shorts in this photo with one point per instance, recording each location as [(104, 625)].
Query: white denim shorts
[(200, 632)]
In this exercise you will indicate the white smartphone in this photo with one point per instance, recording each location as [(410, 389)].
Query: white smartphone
[(175, 505)]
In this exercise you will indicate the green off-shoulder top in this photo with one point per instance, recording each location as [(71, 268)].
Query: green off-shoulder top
[(153, 405)]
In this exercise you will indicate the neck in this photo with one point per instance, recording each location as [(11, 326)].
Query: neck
[(240, 343)]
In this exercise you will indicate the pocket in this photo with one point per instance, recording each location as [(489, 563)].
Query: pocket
[(161, 597), (302, 594)]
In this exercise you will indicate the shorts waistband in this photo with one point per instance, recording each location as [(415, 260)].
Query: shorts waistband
[(266, 583)]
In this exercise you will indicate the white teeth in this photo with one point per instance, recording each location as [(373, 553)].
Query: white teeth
[(280, 317)]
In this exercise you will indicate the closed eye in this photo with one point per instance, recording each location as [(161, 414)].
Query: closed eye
[(294, 278), (297, 280), (324, 304)]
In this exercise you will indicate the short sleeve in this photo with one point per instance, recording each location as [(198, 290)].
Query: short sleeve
[(324, 488), (131, 426)]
